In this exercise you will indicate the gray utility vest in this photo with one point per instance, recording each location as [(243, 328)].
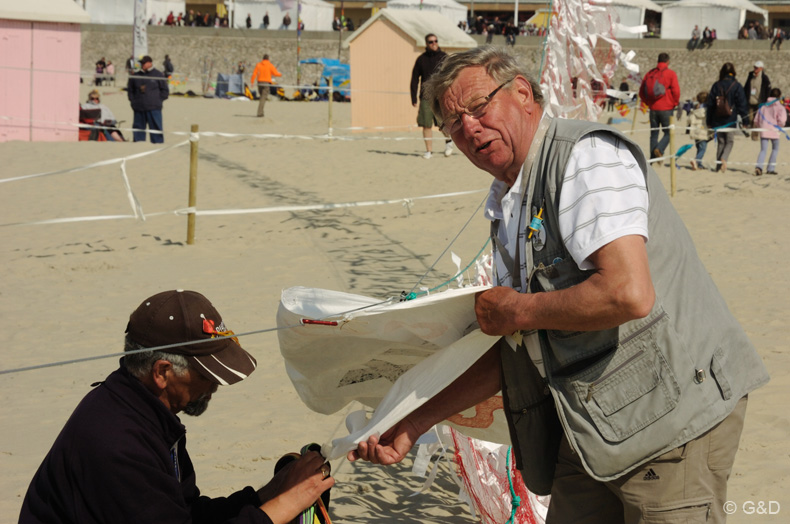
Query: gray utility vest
[(624, 395)]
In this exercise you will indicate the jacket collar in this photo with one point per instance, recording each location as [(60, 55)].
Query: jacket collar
[(131, 392)]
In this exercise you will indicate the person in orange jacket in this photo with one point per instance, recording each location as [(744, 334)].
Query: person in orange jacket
[(262, 74)]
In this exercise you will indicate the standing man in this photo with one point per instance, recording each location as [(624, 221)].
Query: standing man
[(248, 22), (122, 456), (661, 92), (266, 20), (757, 87), (424, 67), (262, 74), (624, 375), (147, 89)]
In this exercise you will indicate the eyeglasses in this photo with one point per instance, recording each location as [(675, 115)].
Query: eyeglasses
[(433, 41), (476, 109), (96, 99)]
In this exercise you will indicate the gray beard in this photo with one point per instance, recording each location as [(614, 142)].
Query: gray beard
[(197, 407)]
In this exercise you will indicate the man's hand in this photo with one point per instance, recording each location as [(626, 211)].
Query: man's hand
[(393, 445), (497, 310), (414, 104), (298, 486)]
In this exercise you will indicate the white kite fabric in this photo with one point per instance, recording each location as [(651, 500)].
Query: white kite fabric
[(581, 57), (389, 356)]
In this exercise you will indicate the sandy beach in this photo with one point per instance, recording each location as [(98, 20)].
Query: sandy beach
[(69, 287)]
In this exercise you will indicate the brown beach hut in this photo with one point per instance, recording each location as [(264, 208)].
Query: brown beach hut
[(382, 53), (40, 69)]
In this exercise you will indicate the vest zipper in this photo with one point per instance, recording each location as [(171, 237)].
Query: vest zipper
[(629, 359)]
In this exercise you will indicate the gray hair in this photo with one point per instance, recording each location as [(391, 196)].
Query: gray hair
[(140, 364), (499, 64)]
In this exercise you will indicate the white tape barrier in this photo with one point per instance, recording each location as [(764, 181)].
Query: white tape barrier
[(406, 202), (241, 135), (95, 164)]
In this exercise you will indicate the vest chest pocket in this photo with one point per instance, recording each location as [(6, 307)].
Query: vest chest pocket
[(627, 393)]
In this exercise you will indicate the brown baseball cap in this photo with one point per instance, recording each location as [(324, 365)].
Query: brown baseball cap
[(176, 316)]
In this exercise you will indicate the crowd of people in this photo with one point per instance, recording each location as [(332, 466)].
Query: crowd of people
[(191, 19), (754, 108), (701, 39), (105, 72), (757, 31)]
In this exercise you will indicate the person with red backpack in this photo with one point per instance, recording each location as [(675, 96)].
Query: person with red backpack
[(661, 92)]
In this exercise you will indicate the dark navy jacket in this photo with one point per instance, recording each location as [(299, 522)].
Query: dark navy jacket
[(735, 96), (122, 458), (145, 91), (424, 67)]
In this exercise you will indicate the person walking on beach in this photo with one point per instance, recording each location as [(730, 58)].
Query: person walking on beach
[(147, 89), (262, 75), (660, 90), (423, 68), (122, 455), (723, 120), (698, 130), (624, 375), (757, 87), (769, 118)]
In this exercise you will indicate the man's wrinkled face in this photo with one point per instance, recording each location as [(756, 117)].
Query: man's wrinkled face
[(190, 392), (498, 140)]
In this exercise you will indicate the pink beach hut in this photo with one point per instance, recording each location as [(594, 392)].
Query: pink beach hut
[(40, 69)]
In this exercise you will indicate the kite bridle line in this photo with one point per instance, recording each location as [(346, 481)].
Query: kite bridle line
[(411, 295)]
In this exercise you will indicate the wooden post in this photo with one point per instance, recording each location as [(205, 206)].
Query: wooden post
[(193, 163), (331, 99), (672, 154)]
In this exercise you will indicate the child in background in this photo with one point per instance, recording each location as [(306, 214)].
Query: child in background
[(769, 116), (698, 129)]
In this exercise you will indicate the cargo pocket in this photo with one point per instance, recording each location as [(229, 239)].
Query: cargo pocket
[(717, 369), (627, 393), (689, 511)]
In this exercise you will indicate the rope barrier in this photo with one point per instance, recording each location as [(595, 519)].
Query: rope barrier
[(95, 164), (279, 209), (326, 136)]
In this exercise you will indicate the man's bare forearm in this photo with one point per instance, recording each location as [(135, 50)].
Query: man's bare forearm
[(479, 382)]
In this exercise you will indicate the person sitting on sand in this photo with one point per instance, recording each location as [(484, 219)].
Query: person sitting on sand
[(122, 456)]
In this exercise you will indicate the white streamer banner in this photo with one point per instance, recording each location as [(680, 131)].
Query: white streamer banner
[(576, 74)]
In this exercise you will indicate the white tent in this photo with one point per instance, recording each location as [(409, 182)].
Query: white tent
[(122, 11), (632, 14), (317, 15), (449, 8), (726, 16)]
